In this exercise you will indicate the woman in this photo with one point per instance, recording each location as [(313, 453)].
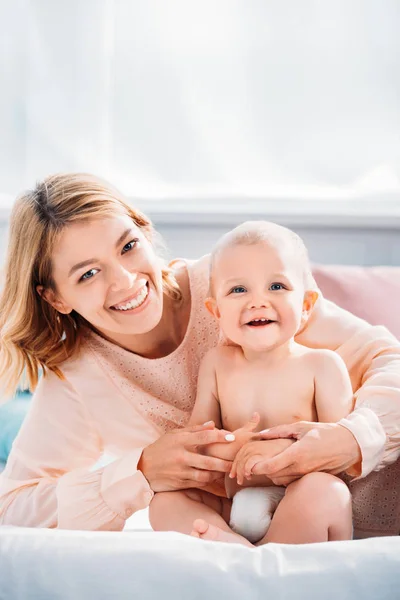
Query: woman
[(120, 337)]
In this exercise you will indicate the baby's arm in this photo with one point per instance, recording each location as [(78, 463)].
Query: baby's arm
[(333, 391), (206, 407)]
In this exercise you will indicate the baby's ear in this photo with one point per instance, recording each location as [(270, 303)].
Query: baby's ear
[(310, 298), (212, 307)]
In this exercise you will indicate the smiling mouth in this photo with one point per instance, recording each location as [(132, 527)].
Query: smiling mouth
[(135, 302), (260, 322)]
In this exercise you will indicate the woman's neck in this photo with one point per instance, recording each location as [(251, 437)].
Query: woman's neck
[(165, 337)]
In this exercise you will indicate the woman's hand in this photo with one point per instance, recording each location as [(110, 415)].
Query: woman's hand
[(328, 447), (174, 461)]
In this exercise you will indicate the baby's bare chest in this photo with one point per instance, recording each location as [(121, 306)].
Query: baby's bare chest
[(281, 396)]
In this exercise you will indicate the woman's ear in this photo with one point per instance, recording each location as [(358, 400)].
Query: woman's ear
[(310, 298), (212, 307), (49, 296)]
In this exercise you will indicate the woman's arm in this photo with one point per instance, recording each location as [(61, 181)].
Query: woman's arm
[(49, 479), (372, 357), (48, 482)]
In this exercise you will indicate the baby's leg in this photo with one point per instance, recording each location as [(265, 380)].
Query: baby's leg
[(176, 511), (316, 508), (194, 512)]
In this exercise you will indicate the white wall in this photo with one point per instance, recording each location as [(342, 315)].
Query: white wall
[(325, 245), (331, 245)]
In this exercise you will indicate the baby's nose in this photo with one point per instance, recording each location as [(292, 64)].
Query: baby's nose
[(260, 302)]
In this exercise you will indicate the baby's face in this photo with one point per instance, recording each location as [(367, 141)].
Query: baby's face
[(259, 295)]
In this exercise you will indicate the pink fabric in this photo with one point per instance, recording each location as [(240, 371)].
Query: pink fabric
[(372, 293)]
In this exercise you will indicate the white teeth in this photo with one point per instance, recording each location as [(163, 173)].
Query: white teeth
[(137, 301)]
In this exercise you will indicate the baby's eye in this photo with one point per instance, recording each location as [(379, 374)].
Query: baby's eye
[(239, 289), (129, 246), (87, 275), (276, 287)]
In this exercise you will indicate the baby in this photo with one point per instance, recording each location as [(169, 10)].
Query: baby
[(261, 293)]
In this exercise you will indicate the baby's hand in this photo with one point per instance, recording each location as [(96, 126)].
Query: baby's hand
[(252, 456), (237, 439), (246, 433)]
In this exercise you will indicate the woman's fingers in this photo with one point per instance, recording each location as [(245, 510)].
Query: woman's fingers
[(204, 437), (285, 460), (209, 463), (194, 428), (233, 471)]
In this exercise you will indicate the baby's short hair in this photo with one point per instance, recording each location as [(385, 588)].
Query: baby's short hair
[(256, 232)]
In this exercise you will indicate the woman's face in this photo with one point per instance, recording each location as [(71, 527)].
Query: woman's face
[(107, 271)]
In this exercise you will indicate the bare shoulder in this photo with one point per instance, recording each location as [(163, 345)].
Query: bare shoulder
[(323, 360), (220, 359), (211, 360), (220, 354)]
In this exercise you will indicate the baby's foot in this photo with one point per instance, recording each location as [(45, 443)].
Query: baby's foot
[(206, 531)]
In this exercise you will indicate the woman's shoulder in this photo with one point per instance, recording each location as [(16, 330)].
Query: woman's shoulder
[(333, 327), (202, 327), (79, 367), (198, 272)]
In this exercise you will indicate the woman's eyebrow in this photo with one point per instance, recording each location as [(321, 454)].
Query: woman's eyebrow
[(84, 263), (122, 237)]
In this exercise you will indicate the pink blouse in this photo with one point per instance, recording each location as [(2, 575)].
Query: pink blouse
[(116, 402)]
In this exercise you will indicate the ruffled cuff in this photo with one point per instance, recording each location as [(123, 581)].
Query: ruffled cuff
[(105, 498), (370, 436), (125, 489)]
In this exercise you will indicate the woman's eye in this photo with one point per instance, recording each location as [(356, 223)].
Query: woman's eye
[(238, 290), (276, 287), (129, 246), (87, 275)]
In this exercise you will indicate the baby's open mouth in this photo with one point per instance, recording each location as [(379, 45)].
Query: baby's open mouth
[(260, 322)]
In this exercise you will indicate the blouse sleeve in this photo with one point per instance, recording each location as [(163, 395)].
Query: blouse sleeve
[(49, 480), (372, 356)]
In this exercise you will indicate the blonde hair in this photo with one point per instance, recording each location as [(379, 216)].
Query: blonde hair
[(257, 232), (34, 335)]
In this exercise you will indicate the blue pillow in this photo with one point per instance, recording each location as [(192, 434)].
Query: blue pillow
[(12, 415)]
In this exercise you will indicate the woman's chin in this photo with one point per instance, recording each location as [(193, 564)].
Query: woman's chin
[(130, 324), (144, 324)]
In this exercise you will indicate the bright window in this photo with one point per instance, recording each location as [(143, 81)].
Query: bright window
[(225, 101)]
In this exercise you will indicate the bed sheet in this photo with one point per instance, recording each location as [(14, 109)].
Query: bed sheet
[(47, 564)]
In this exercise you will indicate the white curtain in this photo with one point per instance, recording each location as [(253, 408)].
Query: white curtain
[(209, 98)]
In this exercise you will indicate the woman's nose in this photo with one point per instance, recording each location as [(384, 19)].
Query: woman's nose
[(122, 279)]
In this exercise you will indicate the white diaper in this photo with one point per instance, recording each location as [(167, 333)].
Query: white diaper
[(252, 510)]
